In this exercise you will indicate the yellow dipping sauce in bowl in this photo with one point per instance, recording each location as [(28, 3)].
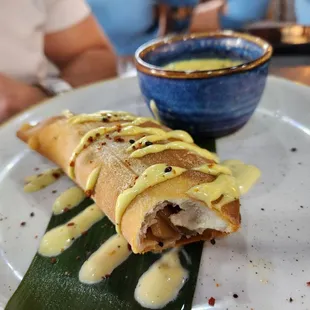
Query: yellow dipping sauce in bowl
[(202, 64)]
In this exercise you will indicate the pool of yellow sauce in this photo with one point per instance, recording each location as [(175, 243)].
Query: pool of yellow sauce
[(34, 183), (68, 200), (202, 64), (61, 237), (162, 282), (102, 262)]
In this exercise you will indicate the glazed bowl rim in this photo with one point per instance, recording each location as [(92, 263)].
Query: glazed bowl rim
[(153, 70)]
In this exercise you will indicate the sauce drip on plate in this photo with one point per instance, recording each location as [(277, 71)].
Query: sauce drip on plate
[(68, 200), (162, 282), (36, 182), (246, 175), (60, 238), (101, 263)]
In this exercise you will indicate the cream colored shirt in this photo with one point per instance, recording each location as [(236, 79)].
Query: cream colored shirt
[(23, 24)]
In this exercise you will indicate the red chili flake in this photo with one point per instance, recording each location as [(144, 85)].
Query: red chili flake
[(90, 139), (53, 260), (22, 223), (308, 283), (118, 139), (108, 137), (119, 127), (72, 164), (211, 301), (161, 244), (36, 237), (107, 276), (217, 285), (66, 209), (103, 143), (129, 247), (89, 192), (97, 134), (70, 224), (84, 233), (84, 146), (91, 161), (56, 175)]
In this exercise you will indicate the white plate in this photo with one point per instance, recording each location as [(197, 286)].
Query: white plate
[(266, 263)]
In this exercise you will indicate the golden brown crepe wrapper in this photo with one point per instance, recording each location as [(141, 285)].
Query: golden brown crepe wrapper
[(56, 139)]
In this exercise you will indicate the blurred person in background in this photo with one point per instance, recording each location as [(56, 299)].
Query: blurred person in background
[(35, 33), (131, 23)]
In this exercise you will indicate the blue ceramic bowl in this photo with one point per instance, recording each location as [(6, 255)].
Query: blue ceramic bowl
[(205, 103)]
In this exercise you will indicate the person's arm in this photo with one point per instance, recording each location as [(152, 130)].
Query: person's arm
[(82, 53), (77, 47)]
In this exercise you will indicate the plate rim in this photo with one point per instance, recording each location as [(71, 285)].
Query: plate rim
[(47, 101)]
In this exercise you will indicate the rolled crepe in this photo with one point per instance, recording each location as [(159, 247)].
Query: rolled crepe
[(161, 216)]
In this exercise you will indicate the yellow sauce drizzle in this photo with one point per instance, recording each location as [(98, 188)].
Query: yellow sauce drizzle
[(156, 148), (96, 133), (60, 238), (162, 282), (42, 180), (68, 200), (86, 140), (213, 169), (91, 181), (105, 116), (101, 263), (135, 130), (141, 120), (151, 176), (154, 109), (246, 175), (224, 185), (175, 134)]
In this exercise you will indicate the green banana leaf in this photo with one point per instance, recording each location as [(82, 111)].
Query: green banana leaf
[(53, 285)]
